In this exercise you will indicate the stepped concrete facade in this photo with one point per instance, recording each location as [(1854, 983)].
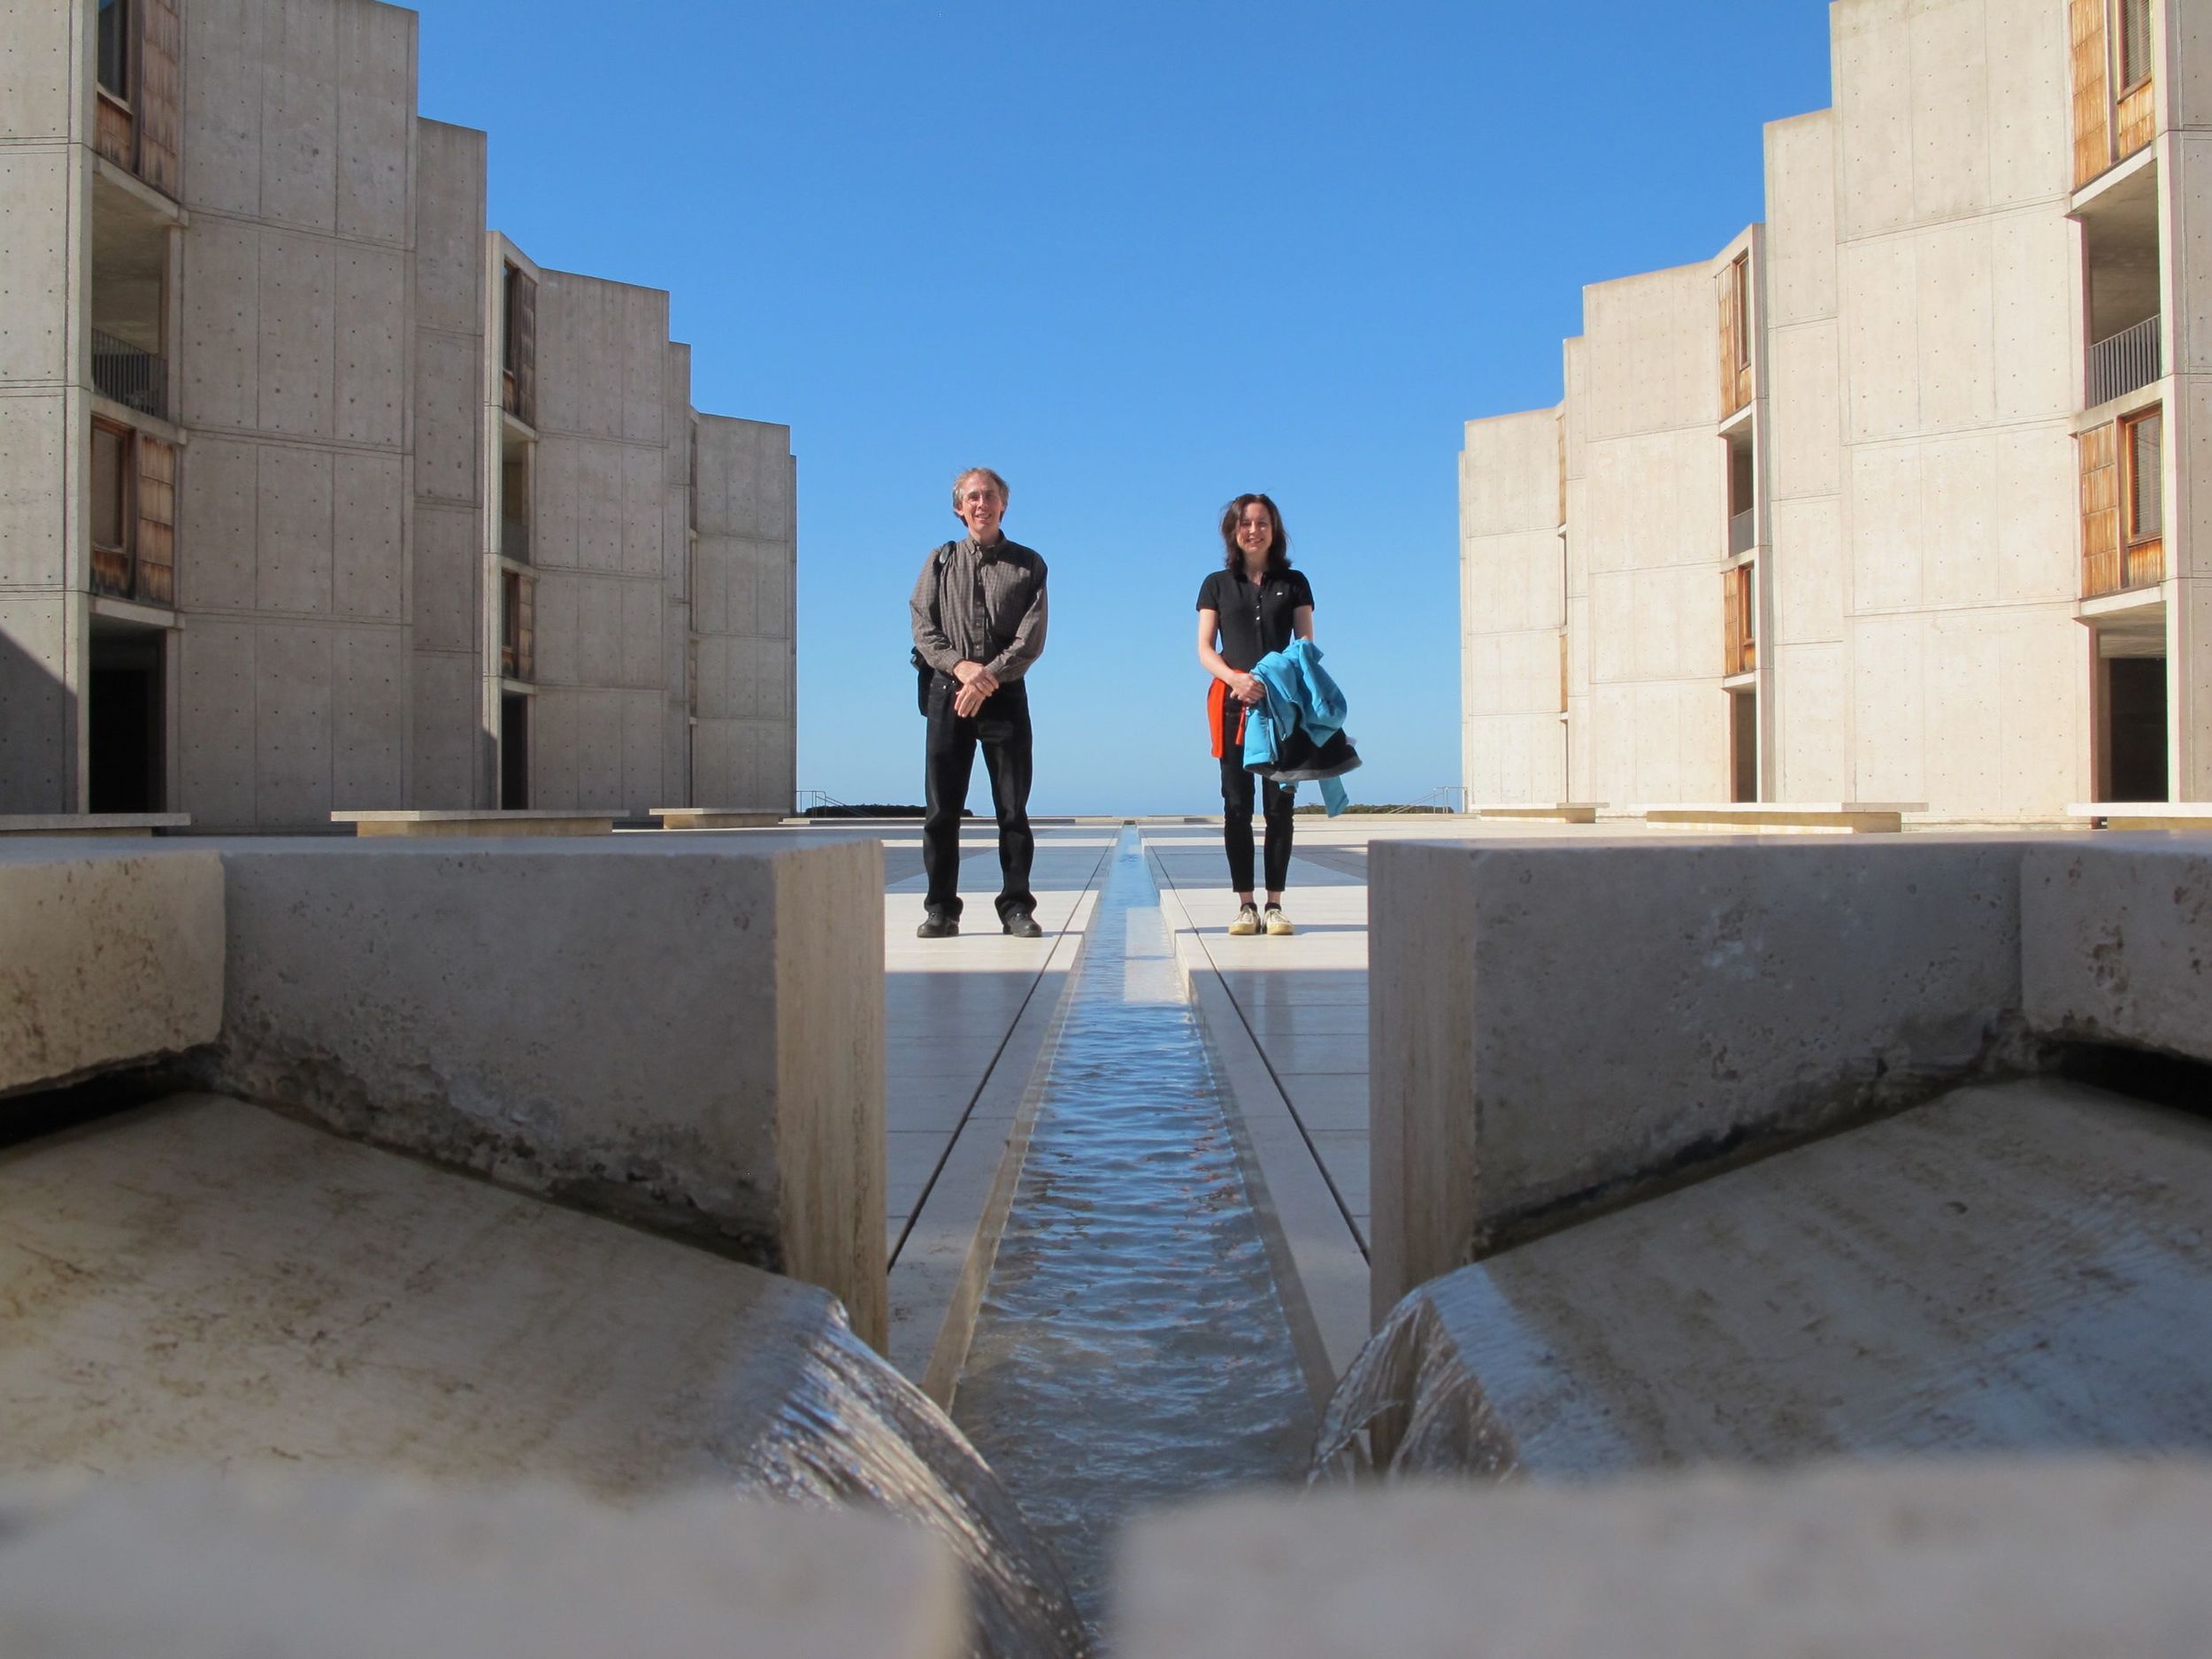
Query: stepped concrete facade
[(1895, 498), (316, 495)]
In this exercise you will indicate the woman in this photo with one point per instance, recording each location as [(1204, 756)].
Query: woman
[(1253, 604)]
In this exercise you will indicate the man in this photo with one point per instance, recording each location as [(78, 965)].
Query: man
[(978, 612)]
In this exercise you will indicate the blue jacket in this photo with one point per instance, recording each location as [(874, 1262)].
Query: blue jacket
[(1299, 693)]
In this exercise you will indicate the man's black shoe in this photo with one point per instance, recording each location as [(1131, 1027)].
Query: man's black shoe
[(1021, 925), (937, 925)]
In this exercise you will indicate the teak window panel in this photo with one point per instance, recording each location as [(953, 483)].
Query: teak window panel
[(1735, 336), (517, 626), (2100, 511), (2114, 82), (132, 515), (519, 359), (2092, 88), (154, 556), (1739, 640)]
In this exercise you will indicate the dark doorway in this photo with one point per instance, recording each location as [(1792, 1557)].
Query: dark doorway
[(514, 752), (2135, 727), (1743, 745), (125, 729)]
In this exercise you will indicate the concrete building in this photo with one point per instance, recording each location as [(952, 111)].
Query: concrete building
[(316, 494), (1897, 498)]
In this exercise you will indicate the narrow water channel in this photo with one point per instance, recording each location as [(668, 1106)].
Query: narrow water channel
[(1131, 1348)]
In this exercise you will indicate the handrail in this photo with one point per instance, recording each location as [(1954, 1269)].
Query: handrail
[(133, 377), (2124, 362)]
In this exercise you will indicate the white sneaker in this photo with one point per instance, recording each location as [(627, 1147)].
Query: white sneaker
[(1247, 923), (1277, 924)]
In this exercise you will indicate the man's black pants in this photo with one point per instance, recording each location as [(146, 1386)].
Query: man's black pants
[(1236, 811), (1002, 726)]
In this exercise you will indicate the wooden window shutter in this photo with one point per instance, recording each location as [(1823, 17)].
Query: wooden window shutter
[(2100, 511), (525, 325), (1729, 324), (160, 94), (526, 629), (2092, 88), (157, 582), (1731, 623)]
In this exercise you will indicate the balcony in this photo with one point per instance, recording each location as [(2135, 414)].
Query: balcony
[(514, 541), (2127, 362), (1742, 526), (136, 378)]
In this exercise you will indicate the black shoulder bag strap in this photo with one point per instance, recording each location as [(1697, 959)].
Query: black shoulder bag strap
[(923, 672)]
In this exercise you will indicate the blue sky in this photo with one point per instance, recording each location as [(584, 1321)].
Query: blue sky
[(1139, 257)]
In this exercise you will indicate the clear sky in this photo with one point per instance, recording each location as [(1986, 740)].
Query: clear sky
[(1139, 257)]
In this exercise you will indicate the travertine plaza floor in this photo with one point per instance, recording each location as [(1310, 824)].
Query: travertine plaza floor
[(970, 1020)]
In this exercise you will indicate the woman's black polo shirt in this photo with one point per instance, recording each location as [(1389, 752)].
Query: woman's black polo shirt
[(1255, 620)]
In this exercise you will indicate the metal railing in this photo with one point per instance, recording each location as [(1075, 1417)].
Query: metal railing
[(1741, 527), (135, 379), (2129, 359), (514, 540)]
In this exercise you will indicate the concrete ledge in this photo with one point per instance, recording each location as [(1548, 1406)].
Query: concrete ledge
[(1556, 1026), (1981, 1562), (1782, 817), (93, 822), (206, 1566), (2144, 815), (683, 1033), (107, 958), (2118, 943), (1542, 812), (486, 823), (699, 818)]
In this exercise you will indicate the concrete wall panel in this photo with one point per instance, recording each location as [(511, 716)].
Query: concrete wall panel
[(2037, 321), (1945, 47), (641, 751), (376, 119), (223, 52), (645, 367), (1805, 452), (1887, 656), (293, 668), (447, 734), (220, 351), (371, 349), (1956, 331), (2189, 338), (553, 749), (600, 525), (2036, 553), (1873, 101), (447, 571), (293, 530), (559, 618), (368, 562), (369, 724), (33, 491), (641, 620), (36, 67), (36, 190), (1880, 285), (644, 504), (1800, 264), (1885, 484), (38, 736), (299, 113), (1807, 571), (449, 182), (600, 630), (1811, 704), (219, 491), (299, 324), (216, 723), (2030, 137), (1511, 474), (448, 404), (599, 751)]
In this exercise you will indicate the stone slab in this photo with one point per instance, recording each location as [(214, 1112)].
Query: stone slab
[(551, 821), (699, 818), (2025, 1561), (1556, 1025), (682, 1032), (131, 824), (210, 1566), (2017, 1267), (107, 958), (1837, 816), (2118, 943), (1551, 811)]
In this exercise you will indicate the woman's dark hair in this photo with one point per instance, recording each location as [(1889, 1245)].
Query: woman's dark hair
[(1233, 556)]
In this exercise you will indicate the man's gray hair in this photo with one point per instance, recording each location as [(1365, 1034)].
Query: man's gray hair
[(1005, 495)]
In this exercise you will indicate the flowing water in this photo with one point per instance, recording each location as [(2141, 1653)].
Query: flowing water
[(1131, 1347)]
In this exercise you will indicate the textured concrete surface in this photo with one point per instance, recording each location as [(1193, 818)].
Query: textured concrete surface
[(2005, 1562), (1557, 1024), (2017, 1267), (107, 958), (682, 1032), (206, 1281), (2118, 942), (211, 1567)]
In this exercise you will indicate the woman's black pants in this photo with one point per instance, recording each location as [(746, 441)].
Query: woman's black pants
[(1236, 809)]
